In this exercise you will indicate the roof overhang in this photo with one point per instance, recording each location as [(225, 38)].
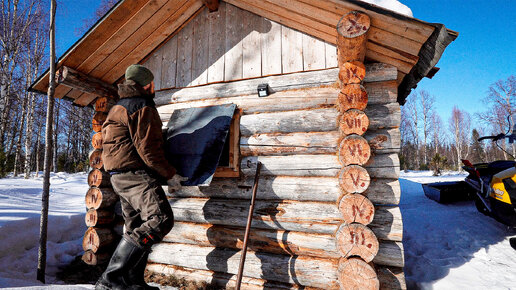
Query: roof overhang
[(133, 29)]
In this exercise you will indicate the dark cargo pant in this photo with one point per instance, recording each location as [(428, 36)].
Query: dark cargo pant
[(147, 214)]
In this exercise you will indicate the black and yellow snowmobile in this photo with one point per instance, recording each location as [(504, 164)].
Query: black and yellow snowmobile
[(494, 185)]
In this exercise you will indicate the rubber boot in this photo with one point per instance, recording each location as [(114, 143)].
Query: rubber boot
[(116, 275), (137, 274)]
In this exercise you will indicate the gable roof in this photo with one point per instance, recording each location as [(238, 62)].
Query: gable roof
[(132, 29)]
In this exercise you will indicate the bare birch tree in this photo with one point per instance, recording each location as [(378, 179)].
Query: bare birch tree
[(426, 102), (459, 125), (16, 20), (42, 253)]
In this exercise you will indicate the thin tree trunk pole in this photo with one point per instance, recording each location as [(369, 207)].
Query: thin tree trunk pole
[(42, 253), (248, 227)]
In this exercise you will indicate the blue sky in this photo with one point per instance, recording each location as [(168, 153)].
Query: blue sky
[(484, 52)]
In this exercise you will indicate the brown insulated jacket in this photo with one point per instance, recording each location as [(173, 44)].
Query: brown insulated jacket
[(132, 136)]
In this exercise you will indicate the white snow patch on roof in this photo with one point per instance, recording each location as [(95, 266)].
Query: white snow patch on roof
[(393, 5)]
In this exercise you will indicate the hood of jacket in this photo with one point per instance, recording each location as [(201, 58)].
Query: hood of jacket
[(130, 89)]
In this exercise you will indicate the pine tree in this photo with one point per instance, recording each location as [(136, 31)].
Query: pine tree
[(477, 150)]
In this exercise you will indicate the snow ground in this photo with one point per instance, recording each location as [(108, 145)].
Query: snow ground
[(446, 246), (452, 246)]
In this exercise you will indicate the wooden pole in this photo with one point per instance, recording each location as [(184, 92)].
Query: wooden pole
[(248, 226), (84, 83), (42, 252)]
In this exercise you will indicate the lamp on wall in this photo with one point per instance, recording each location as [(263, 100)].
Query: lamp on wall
[(263, 90)]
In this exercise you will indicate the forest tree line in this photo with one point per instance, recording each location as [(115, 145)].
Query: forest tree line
[(24, 56), (429, 142)]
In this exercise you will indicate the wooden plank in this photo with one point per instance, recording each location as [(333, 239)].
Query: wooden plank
[(85, 99), (216, 279), (184, 56), (155, 37), (380, 166), (397, 42), (248, 87), (291, 50), (307, 217), (200, 48), (283, 8), (385, 92), (91, 42), (290, 143), (280, 101), (307, 271), (390, 254), (169, 63), (251, 46), (389, 51), (276, 242), (383, 191), (310, 98), (314, 53), (217, 44), (403, 66), (319, 120), (391, 278), (387, 223), (271, 47), (305, 188), (154, 63), (79, 81), (255, 7), (381, 142), (410, 28), (270, 241), (331, 55), (62, 90), (233, 55), (383, 116), (118, 45)]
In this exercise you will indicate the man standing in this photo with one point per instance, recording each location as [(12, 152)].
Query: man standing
[(133, 154)]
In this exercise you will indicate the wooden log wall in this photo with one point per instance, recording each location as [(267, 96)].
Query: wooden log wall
[(329, 188), (102, 218), (232, 44), (295, 133)]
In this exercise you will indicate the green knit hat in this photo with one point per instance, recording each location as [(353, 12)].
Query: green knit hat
[(140, 74)]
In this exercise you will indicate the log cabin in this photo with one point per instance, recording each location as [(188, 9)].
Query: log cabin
[(326, 131)]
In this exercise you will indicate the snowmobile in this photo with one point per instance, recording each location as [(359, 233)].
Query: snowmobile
[(494, 185), (491, 185)]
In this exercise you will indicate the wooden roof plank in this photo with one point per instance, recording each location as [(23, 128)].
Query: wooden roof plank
[(380, 57), (97, 35), (61, 91), (289, 12), (283, 20), (329, 23), (85, 99), (140, 34), (409, 27), (293, 13), (123, 33), (176, 20)]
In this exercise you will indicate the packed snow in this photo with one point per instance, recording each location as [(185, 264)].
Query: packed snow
[(446, 246), (393, 5), (452, 246)]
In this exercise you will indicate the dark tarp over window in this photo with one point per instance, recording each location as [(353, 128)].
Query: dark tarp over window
[(195, 140)]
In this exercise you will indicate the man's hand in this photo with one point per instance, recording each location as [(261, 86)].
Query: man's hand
[(174, 183)]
